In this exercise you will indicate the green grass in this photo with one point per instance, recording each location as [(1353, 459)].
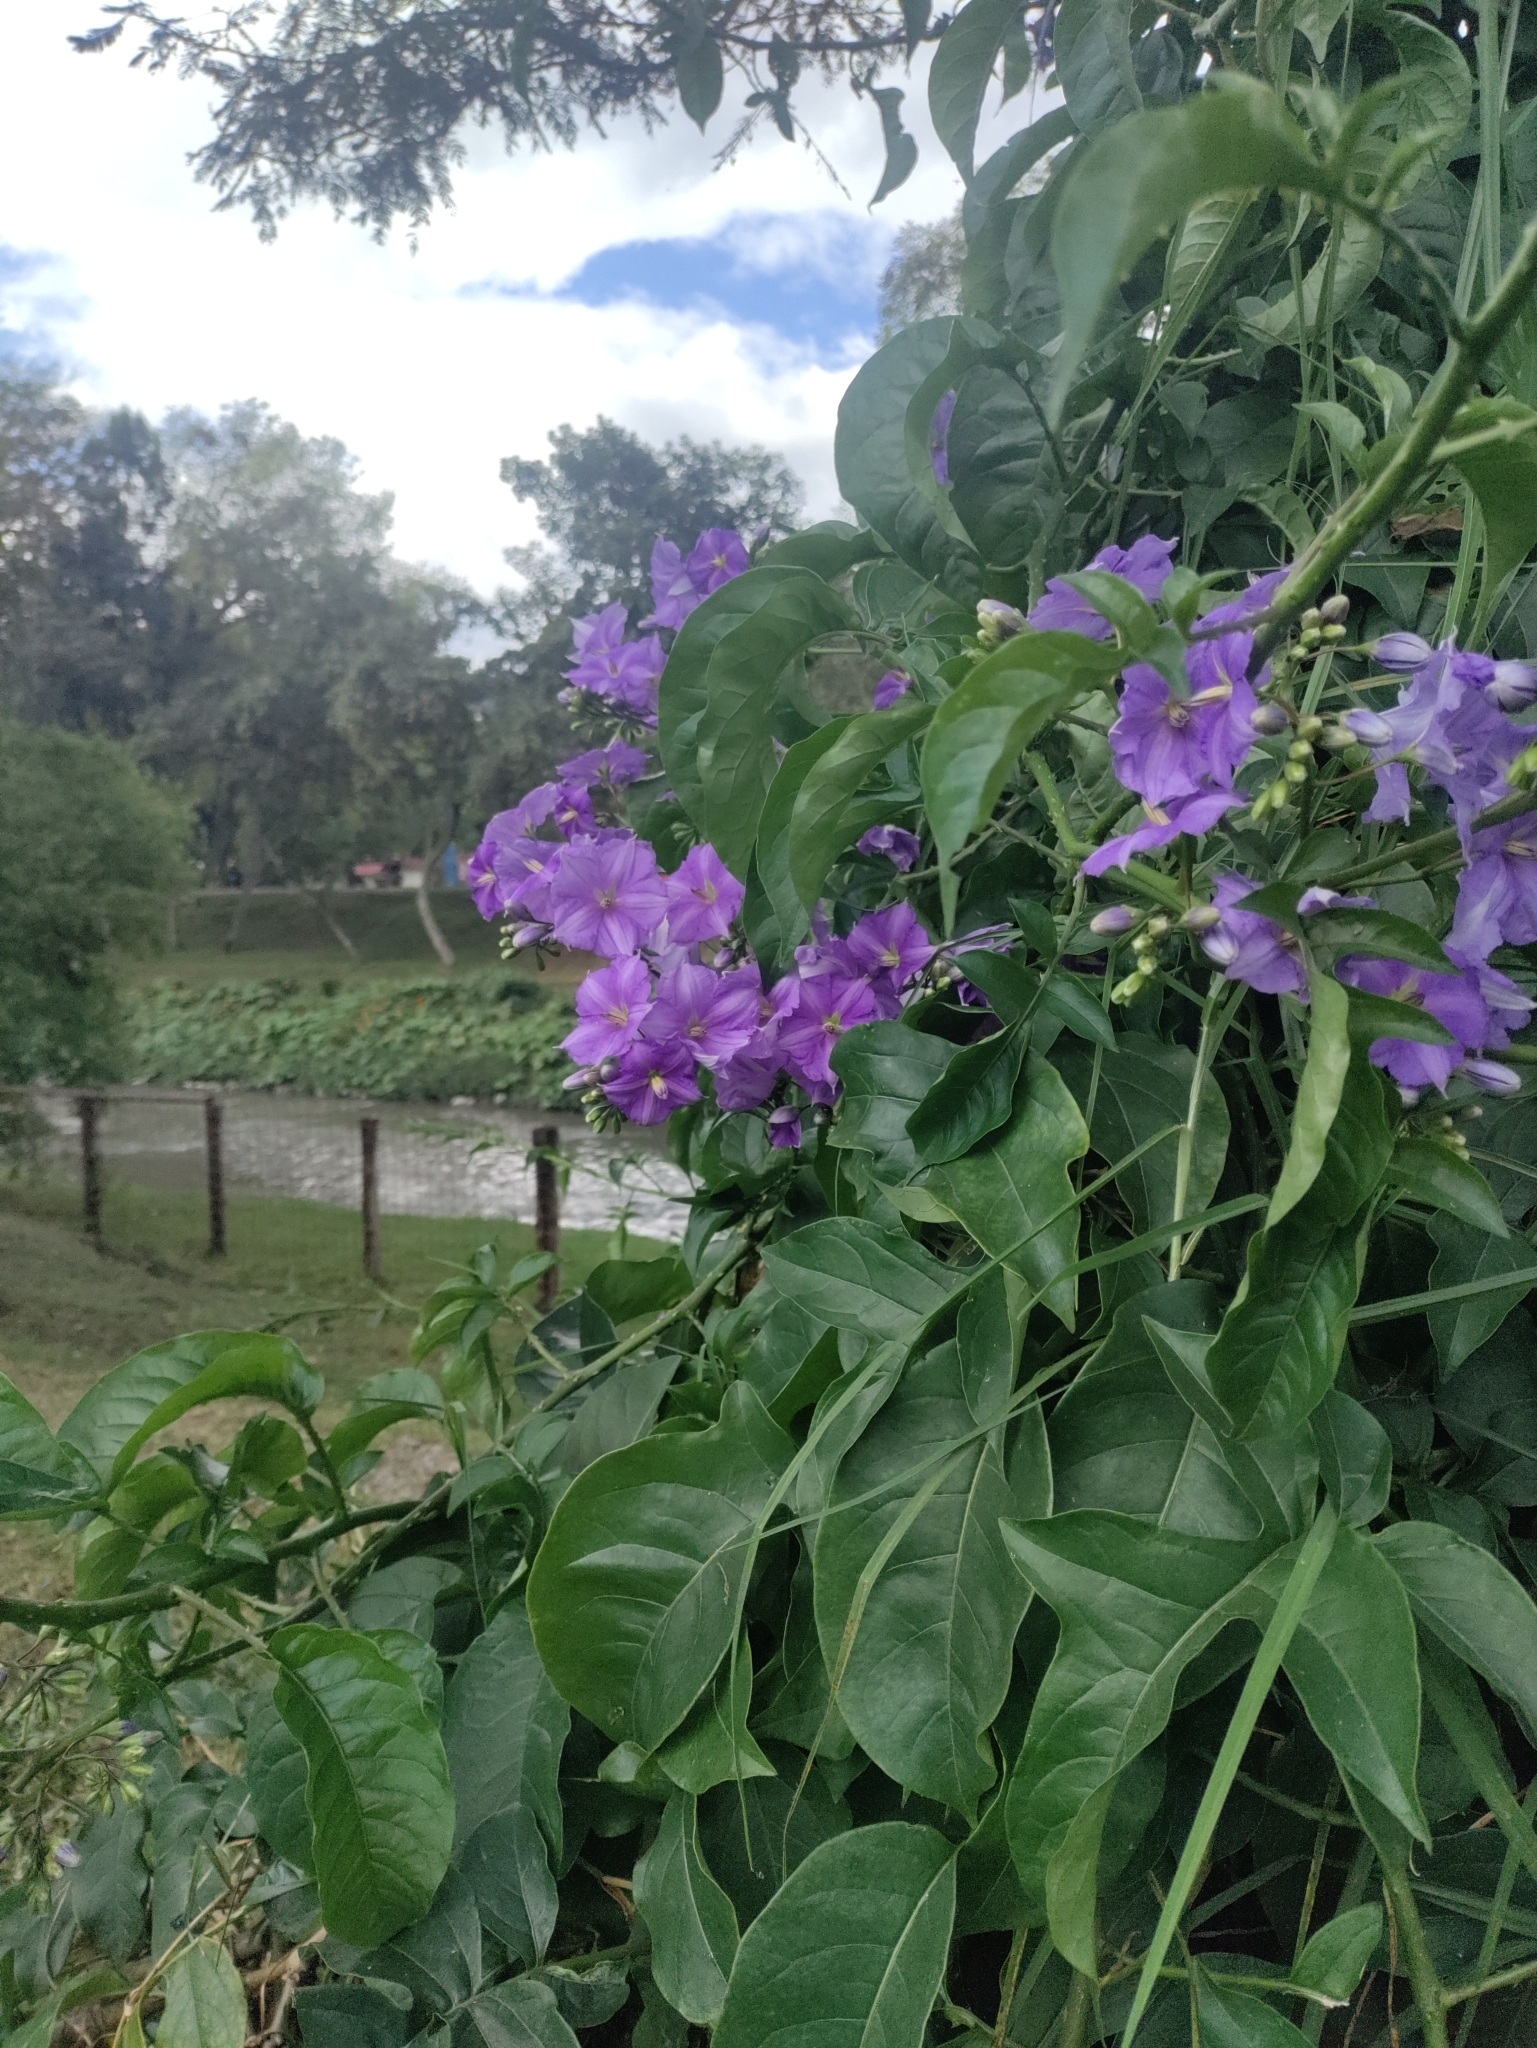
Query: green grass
[(69, 1312), (282, 936)]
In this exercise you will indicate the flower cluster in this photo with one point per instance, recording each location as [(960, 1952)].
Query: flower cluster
[(619, 677), (1181, 753)]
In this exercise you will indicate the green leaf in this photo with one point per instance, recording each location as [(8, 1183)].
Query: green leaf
[(855, 1276), (917, 1604), (276, 1774), (1122, 1437), (1469, 1254), (1375, 1017), (693, 1924), (1318, 1096), (772, 857), (820, 828), (735, 735), (974, 1095), (1136, 1605), (713, 1744), (1065, 996), (886, 1069), (1144, 1088), (1333, 933), (961, 72), (1503, 478), (1013, 1192), (831, 547), (404, 1595), (1355, 1457), (851, 1950), (635, 1594), (1336, 1957), (106, 1890), (1348, 263), (982, 727), (1430, 1171), (204, 2001), (154, 1387), (378, 1791), (1091, 48), (1279, 1346), (522, 2013), (700, 76), (753, 1835), (627, 1288), (1138, 178), (1235, 2019), (901, 149), (619, 1411), (683, 693), (39, 1474), (1467, 1598), (504, 1727), (870, 451)]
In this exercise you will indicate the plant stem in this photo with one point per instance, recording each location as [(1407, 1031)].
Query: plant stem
[(1429, 1993), (1077, 2012), (1311, 1559), (641, 1337), (1374, 500)]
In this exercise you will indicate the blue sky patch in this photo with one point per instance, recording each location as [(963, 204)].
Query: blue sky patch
[(812, 278)]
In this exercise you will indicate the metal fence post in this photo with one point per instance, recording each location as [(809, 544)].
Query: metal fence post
[(371, 1263), (547, 1209), (213, 1132), (89, 1107)]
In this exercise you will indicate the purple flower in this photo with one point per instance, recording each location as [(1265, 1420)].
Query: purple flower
[(1190, 814), (616, 764), (1452, 999), (784, 1128), (1508, 1008), (1144, 565), (1251, 948), (900, 846), (1512, 686), (1497, 895), (829, 1005), (508, 870), (939, 442), (892, 686), (748, 1078), (717, 556), (1493, 1078), (628, 673), (888, 945), (1165, 746), (572, 811), (611, 1006), (653, 1081), (606, 896), (1446, 723), (702, 898), (673, 593), (711, 1015), (1113, 921), (67, 1856), (599, 632)]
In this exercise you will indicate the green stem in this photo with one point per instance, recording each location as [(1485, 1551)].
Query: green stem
[(1311, 1559), (1435, 412), (642, 1337), (1429, 1992), (1077, 2012), (1206, 1051)]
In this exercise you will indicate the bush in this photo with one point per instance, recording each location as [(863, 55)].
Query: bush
[(486, 1034)]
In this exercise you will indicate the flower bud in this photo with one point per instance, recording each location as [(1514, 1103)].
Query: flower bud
[(1295, 772), (1371, 729), (1402, 651), (1409, 1097), (997, 621), (1128, 990), (1201, 917), (528, 935), (608, 1070), (67, 1856), (1310, 727), (1299, 750), (1220, 946), (1269, 719), (1335, 610), (1312, 619), (579, 1077), (1158, 927), (1335, 739), (1514, 685), (1112, 922), (1491, 1076), (1522, 772), (1333, 634)]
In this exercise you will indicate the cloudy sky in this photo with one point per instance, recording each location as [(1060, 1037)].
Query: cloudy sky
[(627, 278)]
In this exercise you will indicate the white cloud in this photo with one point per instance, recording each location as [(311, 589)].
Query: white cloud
[(154, 300)]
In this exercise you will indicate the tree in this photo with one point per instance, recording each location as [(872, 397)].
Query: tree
[(88, 847), (924, 275), (359, 103)]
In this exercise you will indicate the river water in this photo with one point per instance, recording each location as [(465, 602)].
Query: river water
[(433, 1160)]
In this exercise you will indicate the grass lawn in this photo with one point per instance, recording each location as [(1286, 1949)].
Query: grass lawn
[(69, 1312)]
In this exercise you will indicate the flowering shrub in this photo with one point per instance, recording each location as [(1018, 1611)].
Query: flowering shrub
[(1049, 1559)]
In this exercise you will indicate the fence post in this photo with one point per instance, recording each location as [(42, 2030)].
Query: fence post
[(213, 1132), (371, 1265), (88, 1108), (547, 1209)]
